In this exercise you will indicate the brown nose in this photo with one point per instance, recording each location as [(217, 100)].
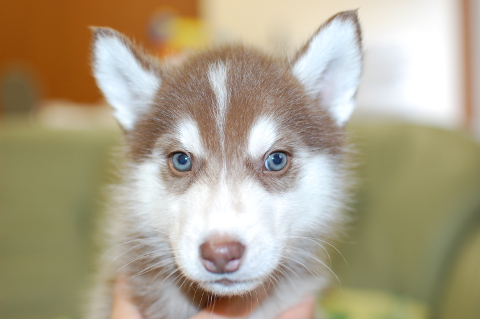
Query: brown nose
[(221, 257)]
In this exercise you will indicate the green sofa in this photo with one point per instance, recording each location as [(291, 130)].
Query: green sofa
[(415, 230)]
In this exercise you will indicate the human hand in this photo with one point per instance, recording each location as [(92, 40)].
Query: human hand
[(222, 310), (123, 308)]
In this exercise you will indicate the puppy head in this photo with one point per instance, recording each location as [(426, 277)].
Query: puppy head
[(234, 154)]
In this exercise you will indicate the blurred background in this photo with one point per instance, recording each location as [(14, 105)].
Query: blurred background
[(420, 55), (414, 248)]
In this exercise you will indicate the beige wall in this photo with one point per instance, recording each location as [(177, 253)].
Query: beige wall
[(413, 48), (475, 20)]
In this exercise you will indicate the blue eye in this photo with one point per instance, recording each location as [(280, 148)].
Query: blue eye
[(276, 161), (181, 162)]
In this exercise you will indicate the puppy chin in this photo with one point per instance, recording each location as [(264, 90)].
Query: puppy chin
[(226, 287)]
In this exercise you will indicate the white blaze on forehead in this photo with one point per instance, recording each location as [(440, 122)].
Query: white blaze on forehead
[(263, 135), (217, 76), (189, 136)]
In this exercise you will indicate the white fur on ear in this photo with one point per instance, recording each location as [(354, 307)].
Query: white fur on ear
[(330, 64), (128, 80)]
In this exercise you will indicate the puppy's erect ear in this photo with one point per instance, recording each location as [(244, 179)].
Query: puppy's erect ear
[(330, 64), (128, 79)]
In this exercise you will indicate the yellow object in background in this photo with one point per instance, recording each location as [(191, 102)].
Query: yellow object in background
[(348, 303), (172, 34)]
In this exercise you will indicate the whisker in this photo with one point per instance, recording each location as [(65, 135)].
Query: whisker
[(314, 240), (318, 244), (104, 255), (285, 274), (173, 272), (193, 299), (152, 267), (131, 248), (138, 258), (310, 270), (322, 263), (183, 283)]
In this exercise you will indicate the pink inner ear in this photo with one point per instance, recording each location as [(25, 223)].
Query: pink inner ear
[(327, 89)]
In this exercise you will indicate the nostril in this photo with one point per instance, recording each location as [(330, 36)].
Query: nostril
[(221, 256)]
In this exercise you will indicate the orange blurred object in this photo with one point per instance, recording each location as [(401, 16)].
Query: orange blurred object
[(171, 34), (52, 40)]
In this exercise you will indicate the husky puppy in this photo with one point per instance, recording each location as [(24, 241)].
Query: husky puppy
[(234, 177)]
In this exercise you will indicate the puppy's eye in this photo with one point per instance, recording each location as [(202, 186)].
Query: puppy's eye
[(181, 162), (276, 161)]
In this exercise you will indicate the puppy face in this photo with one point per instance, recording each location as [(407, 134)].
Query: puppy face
[(234, 155)]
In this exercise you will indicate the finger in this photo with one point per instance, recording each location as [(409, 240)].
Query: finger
[(224, 310), (122, 307), (303, 310), (206, 314), (218, 313), (227, 308)]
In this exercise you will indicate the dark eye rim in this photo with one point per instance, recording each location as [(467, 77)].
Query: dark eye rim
[(172, 167), (284, 169)]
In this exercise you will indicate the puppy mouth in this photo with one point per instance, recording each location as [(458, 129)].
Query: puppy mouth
[(227, 287), (227, 282)]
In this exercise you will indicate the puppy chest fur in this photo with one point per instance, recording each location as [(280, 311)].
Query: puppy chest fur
[(234, 177)]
